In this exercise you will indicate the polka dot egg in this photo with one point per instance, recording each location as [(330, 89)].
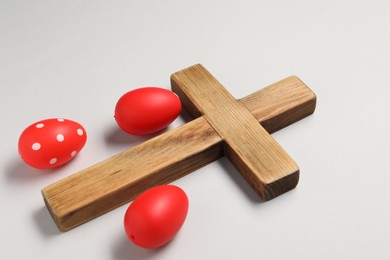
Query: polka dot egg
[(51, 143)]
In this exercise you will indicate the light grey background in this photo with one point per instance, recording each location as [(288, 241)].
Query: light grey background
[(74, 59)]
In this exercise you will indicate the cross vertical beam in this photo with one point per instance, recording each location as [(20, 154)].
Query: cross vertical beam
[(257, 156)]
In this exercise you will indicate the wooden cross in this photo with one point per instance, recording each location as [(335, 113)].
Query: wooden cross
[(223, 126)]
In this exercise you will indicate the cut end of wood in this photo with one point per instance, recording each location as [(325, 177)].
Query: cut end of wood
[(281, 104), (64, 219), (57, 219), (278, 187), (266, 185)]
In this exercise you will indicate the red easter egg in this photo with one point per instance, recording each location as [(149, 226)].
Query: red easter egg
[(156, 215), (52, 142), (147, 110)]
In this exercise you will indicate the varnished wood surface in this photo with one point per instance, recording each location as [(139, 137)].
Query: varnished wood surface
[(119, 179)]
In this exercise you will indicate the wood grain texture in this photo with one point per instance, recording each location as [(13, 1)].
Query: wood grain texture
[(252, 150), (281, 103), (117, 180)]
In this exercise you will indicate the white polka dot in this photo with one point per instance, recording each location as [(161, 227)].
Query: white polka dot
[(80, 132), (39, 125), (60, 120), (53, 161), (73, 153), (36, 146), (60, 138)]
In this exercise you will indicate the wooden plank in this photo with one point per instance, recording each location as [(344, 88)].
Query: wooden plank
[(257, 156), (281, 103), (119, 179), (111, 183)]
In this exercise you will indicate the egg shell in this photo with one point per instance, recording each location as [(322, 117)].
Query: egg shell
[(51, 142), (155, 216), (147, 110)]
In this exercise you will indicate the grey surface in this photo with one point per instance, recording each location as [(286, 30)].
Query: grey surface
[(74, 59)]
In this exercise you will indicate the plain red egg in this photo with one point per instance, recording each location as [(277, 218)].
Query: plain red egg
[(155, 216), (147, 110), (51, 143)]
